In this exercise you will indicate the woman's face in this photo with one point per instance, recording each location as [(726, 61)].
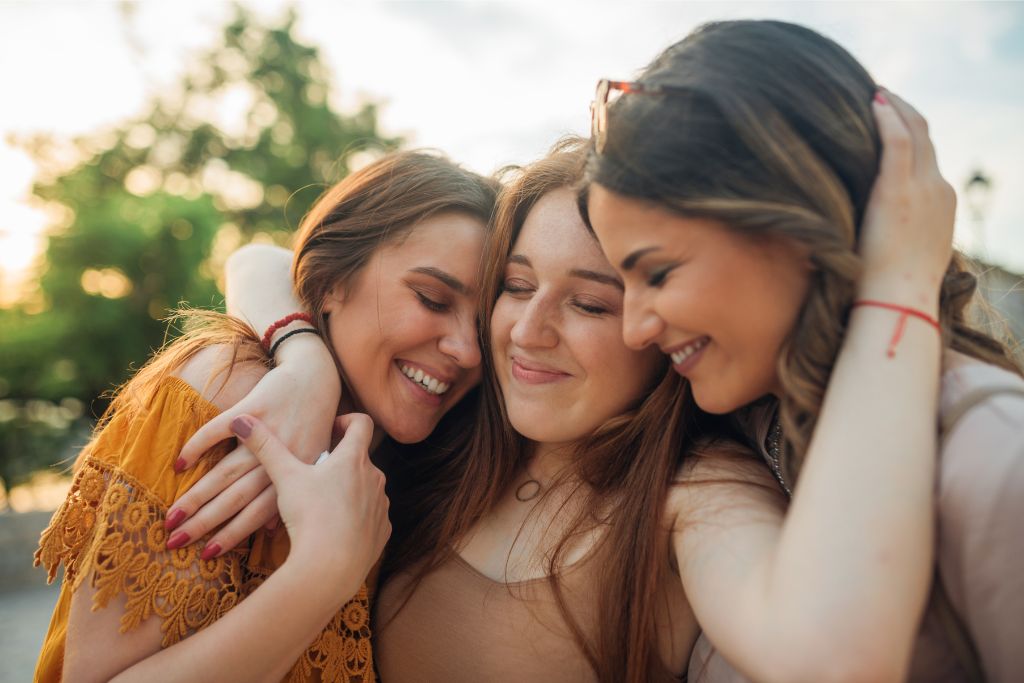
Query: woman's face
[(556, 330), (719, 304), (404, 330)]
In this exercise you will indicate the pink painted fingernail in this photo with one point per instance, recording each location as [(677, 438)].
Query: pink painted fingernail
[(177, 539), (180, 464), (880, 98), (210, 551), (242, 426), (174, 519)]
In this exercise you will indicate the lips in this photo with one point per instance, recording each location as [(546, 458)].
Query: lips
[(686, 356), (533, 372), (426, 384)]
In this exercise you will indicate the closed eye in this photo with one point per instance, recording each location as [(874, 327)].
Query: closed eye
[(657, 277), (431, 304)]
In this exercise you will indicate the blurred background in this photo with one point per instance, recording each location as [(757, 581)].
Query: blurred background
[(140, 143)]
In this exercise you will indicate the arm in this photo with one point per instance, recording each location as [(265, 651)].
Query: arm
[(835, 589), (980, 553), (337, 523), (259, 285), (298, 399)]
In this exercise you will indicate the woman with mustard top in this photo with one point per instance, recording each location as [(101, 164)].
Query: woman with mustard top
[(401, 240)]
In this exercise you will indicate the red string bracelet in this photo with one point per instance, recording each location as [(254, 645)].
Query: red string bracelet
[(905, 312), (287, 320)]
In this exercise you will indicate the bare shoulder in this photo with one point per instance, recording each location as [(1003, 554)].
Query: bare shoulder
[(723, 476), (218, 377)]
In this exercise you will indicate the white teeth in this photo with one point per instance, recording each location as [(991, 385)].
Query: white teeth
[(429, 383), (688, 350)]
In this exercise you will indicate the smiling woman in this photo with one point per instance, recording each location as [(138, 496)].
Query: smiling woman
[(387, 263)]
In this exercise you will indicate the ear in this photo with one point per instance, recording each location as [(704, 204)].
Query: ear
[(334, 298)]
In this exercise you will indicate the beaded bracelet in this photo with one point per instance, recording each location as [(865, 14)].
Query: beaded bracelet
[(287, 320), (301, 330)]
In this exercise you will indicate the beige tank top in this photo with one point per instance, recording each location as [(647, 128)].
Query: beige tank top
[(460, 625)]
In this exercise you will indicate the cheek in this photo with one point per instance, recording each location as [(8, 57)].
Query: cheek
[(503, 319)]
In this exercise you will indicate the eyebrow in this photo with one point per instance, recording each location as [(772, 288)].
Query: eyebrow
[(594, 275), (447, 278), (630, 261), (603, 278)]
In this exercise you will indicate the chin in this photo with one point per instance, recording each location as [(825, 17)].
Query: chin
[(408, 434), (714, 402)]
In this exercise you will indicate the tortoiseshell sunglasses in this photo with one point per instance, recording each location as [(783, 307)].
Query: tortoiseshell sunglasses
[(609, 91)]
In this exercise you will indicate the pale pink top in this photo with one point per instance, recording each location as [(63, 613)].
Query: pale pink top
[(980, 548)]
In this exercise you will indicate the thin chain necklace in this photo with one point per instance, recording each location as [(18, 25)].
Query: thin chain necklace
[(773, 444)]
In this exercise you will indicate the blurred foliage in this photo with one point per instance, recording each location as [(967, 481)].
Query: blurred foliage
[(146, 214)]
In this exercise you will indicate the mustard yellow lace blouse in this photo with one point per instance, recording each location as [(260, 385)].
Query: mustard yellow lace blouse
[(110, 532)]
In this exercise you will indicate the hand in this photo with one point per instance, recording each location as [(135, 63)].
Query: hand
[(336, 512), (906, 239), (298, 400)]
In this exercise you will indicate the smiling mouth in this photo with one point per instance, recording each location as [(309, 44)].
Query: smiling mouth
[(429, 384), (680, 356)]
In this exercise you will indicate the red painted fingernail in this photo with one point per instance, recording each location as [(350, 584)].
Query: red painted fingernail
[(210, 551), (242, 426), (180, 464), (177, 539), (174, 519), (880, 98)]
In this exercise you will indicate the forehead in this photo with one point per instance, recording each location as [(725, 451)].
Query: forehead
[(452, 240), (554, 235)]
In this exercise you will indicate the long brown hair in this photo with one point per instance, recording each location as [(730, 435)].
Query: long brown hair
[(768, 128), (369, 208), (626, 467)]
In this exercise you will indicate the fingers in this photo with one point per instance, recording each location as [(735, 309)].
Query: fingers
[(252, 517), (357, 431), (923, 149), (205, 438), (272, 454), (230, 469), (897, 143), (229, 504)]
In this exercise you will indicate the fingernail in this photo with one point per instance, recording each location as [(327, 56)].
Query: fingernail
[(177, 539), (210, 551), (180, 464), (880, 98), (242, 426), (174, 519)]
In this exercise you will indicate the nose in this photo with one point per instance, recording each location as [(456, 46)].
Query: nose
[(461, 343), (641, 325), (533, 329)]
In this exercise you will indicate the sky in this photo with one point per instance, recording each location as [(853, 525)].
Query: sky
[(493, 83)]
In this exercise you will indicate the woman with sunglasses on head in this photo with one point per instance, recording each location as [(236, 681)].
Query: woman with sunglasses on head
[(790, 266), (386, 264)]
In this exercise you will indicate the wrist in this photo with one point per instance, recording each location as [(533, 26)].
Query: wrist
[(902, 289), (332, 573)]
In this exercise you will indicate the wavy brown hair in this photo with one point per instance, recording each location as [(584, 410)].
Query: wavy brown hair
[(624, 470), (368, 209), (768, 128)]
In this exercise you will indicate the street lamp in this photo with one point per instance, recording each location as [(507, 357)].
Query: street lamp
[(978, 195)]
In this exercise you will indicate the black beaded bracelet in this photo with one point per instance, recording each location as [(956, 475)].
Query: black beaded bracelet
[(301, 330)]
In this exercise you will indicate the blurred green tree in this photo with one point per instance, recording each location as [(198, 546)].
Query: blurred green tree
[(146, 216)]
